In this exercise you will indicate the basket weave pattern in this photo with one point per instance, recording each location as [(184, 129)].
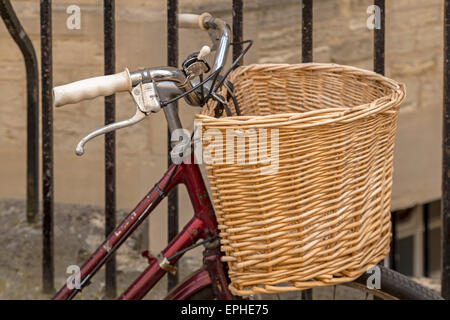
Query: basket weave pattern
[(323, 217)]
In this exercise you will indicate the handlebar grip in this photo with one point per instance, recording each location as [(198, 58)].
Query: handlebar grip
[(91, 88), (189, 20)]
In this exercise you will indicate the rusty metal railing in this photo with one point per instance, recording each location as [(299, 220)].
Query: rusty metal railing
[(47, 146), (19, 35), (445, 235), (172, 60), (109, 22)]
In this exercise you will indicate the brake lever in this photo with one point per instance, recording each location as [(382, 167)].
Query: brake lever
[(138, 116), (146, 100)]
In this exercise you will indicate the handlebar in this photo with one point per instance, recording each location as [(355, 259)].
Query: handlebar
[(143, 84), (189, 20), (107, 85), (91, 88)]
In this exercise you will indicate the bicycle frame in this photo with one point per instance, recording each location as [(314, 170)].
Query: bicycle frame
[(201, 226)]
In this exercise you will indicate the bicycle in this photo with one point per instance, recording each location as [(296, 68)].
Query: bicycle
[(159, 88)]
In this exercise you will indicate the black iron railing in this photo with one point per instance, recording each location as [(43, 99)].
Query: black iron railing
[(109, 22), (307, 31), (47, 146), (172, 60), (445, 236), (238, 29), (26, 47)]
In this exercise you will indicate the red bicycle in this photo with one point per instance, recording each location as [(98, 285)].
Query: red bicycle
[(154, 89)]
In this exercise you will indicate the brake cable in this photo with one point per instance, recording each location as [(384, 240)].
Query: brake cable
[(235, 63), (214, 75)]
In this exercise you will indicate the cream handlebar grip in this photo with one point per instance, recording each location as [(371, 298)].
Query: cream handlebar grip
[(91, 88), (189, 20)]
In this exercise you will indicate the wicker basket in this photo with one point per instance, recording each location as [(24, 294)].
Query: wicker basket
[(320, 213)]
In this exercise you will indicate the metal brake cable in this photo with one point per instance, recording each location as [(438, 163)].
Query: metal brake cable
[(165, 103), (195, 245), (213, 90), (235, 63), (213, 74)]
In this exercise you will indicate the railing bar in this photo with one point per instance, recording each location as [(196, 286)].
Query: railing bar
[(47, 146), (379, 39), (392, 252), (378, 66), (307, 56), (110, 144), (26, 47), (307, 31), (445, 235), (425, 220), (172, 60), (237, 29)]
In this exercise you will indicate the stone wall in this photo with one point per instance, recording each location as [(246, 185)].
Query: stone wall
[(413, 55)]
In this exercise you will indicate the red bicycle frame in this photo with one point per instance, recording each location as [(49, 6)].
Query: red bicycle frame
[(202, 226)]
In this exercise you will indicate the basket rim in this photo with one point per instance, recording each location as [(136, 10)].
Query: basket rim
[(315, 117)]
